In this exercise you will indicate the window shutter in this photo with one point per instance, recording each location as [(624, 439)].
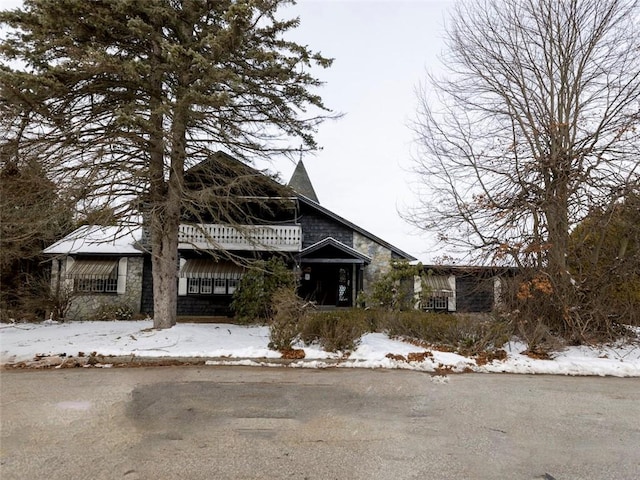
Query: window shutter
[(182, 281), (122, 276), (68, 264)]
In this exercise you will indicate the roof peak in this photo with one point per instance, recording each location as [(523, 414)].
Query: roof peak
[(301, 183)]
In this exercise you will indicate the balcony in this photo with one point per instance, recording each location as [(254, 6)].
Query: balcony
[(282, 238)]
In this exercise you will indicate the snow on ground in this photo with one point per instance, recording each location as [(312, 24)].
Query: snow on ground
[(247, 345)]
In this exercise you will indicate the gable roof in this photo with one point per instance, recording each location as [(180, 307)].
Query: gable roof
[(286, 190), (332, 242), (353, 226), (234, 178), (301, 183)]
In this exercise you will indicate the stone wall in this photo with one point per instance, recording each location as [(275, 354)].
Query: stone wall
[(84, 306), (380, 259)]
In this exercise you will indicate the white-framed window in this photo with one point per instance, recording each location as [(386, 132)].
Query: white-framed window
[(193, 285), (206, 286), (96, 275), (219, 286), (82, 285), (440, 303), (95, 285), (436, 303)]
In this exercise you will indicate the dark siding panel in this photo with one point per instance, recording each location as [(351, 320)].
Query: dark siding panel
[(187, 305), (474, 294), (146, 303), (205, 306), (317, 227)]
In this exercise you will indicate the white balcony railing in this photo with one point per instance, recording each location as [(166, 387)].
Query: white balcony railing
[(283, 238)]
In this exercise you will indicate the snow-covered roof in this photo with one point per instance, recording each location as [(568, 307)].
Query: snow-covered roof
[(96, 239)]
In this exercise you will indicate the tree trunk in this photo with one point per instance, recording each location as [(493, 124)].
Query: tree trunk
[(164, 262), (556, 212), (164, 213)]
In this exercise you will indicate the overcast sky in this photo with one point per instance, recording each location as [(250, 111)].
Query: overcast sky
[(382, 49)]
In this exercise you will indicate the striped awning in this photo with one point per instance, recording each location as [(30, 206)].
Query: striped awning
[(207, 268), (93, 269), (438, 285)]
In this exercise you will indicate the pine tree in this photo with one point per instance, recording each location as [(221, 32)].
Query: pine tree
[(32, 215), (123, 96)]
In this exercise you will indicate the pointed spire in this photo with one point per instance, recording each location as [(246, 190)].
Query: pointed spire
[(301, 183)]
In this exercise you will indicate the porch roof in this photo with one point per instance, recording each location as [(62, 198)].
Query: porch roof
[(351, 255)]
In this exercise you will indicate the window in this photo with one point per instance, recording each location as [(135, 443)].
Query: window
[(193, 285), (206, 286), (203, 276), (220, 286), (436, 303), (95, 285), (211, 286), (94, 276), (438, 292)]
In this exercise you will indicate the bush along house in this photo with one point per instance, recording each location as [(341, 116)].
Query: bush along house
[(243, 215)]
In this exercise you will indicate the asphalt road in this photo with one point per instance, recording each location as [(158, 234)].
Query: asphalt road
[(282, 423)]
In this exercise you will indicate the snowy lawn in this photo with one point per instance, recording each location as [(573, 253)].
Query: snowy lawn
[(247, 345)]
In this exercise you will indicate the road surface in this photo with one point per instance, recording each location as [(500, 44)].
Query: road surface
[(281, 423)]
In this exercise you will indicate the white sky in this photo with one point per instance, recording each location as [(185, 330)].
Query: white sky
[(382, 50)]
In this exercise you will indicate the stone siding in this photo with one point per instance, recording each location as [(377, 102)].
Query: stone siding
[(84, 306), (380, 259)]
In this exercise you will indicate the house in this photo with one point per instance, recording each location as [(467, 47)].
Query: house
[(464, 289), (97, 266), (250, 216)]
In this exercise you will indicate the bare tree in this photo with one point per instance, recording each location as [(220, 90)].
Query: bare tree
[(124, 96), (535, 123)]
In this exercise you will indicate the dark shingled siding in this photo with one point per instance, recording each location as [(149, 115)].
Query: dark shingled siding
[(146, 303), (474, 294), (191, 305), (317, 227)]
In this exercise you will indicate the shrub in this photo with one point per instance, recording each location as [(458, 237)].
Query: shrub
[(469, 334), (116, 311), (253, 300), (395, 289), (338, 330), (289, 312), (35, 300)]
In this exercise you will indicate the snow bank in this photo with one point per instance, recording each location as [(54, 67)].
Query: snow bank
[(248, 345)]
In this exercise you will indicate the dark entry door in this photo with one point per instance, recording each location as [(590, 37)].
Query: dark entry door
[(327, 284)]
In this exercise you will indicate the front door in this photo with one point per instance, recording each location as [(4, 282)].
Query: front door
[(327, 284), (344, 286)]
